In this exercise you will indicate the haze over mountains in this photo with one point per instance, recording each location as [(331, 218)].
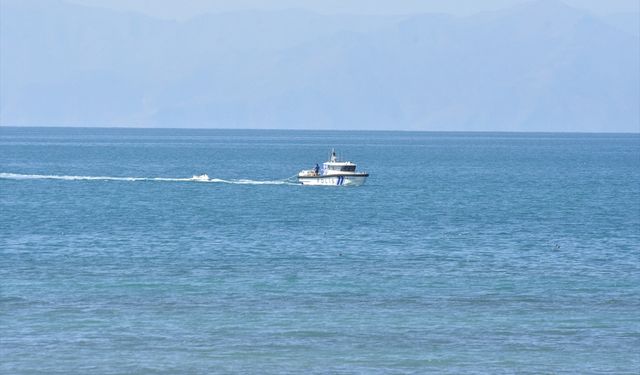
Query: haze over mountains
[(539, 66)]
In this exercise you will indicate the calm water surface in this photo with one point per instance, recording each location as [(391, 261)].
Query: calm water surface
[(464, 253)]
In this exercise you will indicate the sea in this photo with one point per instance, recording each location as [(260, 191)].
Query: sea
[(464, 253)]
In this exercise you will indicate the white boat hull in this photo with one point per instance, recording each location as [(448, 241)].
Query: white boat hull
[(344, 180)]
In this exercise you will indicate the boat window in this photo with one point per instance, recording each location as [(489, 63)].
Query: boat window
[(343, 168)]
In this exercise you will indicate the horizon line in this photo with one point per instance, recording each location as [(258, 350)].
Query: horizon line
[(317, 130)]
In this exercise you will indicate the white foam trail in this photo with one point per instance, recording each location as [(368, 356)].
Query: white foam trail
[(16, 176)]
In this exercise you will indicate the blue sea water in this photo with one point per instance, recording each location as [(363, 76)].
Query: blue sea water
[(463, 253)]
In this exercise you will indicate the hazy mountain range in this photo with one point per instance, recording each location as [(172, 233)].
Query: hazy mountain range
[(541, 66)]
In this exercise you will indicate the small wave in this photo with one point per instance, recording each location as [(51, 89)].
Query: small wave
[(16, 176)]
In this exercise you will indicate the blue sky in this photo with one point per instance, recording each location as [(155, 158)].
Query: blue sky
[(189, 8), (492, 65)]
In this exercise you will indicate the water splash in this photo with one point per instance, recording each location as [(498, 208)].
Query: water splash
[(201, 178)]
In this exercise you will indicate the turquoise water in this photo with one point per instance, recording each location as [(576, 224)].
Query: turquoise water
[(463, 253)]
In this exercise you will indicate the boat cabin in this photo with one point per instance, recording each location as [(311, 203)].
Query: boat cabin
[(339, 166), (333, 166)]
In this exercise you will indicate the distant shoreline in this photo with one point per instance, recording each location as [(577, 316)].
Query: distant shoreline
[(314, 130)]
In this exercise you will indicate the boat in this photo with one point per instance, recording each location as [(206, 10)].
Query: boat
[(333, 173)]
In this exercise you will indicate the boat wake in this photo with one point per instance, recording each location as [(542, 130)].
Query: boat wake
[(198, 178)]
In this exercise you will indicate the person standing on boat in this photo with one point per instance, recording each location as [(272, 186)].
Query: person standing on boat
[(316, 169)]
